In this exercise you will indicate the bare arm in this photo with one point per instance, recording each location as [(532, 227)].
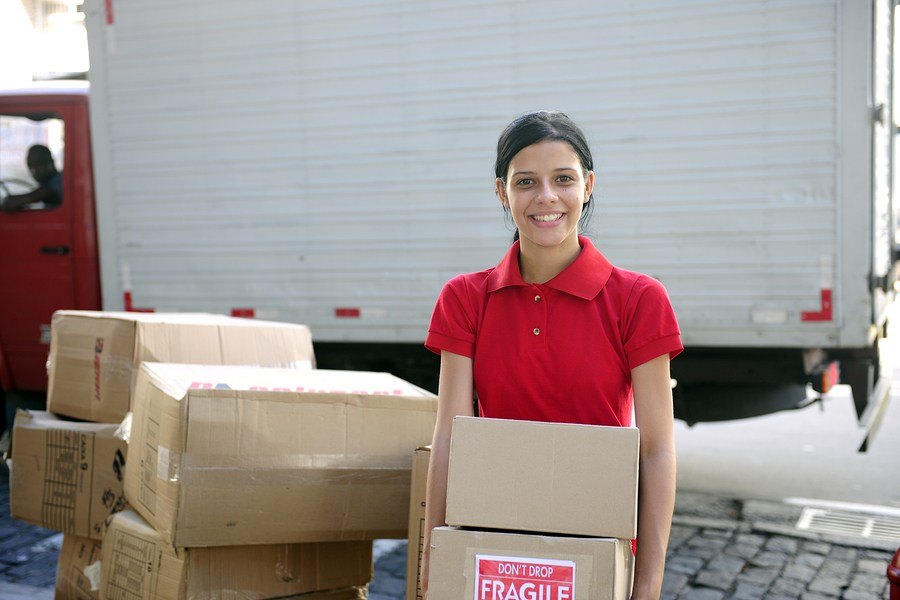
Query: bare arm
[(15, 202), (455, 389), (653, 411)]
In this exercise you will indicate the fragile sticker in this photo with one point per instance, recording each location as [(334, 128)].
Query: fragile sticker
[(515, 578)]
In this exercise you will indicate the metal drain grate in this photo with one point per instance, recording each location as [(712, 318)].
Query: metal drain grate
[(836, 522)]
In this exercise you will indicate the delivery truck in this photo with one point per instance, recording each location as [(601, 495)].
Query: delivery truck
[(330, 163)]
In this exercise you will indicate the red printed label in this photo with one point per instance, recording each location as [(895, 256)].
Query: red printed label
[(513, 578)]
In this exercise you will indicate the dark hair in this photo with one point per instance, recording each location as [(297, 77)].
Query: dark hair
[(540, 126), (40, 152)]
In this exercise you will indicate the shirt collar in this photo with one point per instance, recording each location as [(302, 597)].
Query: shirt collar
[(584, 278)]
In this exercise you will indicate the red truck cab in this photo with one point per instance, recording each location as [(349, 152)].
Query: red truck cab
[(48, 255)]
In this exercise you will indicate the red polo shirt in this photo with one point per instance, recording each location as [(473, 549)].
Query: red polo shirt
[(561, 351)]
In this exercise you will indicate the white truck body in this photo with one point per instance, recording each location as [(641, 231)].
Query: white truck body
[(330, 162)]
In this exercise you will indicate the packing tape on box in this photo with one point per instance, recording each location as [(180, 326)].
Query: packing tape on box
[(225, 477), (298, 469), (105, 365)]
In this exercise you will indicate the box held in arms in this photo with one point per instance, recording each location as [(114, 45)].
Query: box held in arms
[(498, 566), (416, 545), (244, 455), (138, 563), (78, 569), (94, 356), (66, 475), (543, 477)]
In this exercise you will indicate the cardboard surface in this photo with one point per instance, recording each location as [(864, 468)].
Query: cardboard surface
[(66, 475), (484, 565), (139, 563), (416, 538), (76, 555), (222, 459), (94, 356), (543, 477), (352, 593)]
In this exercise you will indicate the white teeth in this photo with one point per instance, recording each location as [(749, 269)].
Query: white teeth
[(547, 218)]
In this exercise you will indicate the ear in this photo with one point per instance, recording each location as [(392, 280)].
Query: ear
[(501, 192), (588, 186)]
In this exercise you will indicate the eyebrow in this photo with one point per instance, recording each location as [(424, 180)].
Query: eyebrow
[(517, 173)]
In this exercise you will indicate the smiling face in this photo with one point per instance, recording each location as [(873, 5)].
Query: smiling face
[(545, 190)]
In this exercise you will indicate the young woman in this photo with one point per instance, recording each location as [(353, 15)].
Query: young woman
[(557, 333)]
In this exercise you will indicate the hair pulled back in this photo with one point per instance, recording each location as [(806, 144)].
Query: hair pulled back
[(540, 126)]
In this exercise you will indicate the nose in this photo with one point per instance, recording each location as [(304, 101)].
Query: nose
[(545, 192)]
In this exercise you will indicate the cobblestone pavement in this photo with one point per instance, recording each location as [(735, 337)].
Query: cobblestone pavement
[(720, 548)]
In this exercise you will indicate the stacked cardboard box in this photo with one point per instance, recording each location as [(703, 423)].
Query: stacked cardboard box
[(235, 468), (78, 569), (523, 491), (69, 475), (94, 356), (138, 563), (228, 456), (416, 538)]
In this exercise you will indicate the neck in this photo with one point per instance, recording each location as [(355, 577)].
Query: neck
[(540, 264)]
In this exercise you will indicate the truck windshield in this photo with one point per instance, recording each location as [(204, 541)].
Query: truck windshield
[(31, 159)]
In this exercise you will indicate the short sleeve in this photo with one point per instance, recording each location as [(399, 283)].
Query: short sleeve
[(650, 328), (452, 325)]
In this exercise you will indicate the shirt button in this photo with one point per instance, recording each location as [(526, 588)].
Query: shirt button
[(537, 298), (537, 331)]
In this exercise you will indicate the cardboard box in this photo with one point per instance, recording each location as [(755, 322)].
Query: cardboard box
[(485, 565), (353, 593), (66, 475), (416, 545), (77, 570), (138, 563), (221, 458), (543, 477), (94, 356)]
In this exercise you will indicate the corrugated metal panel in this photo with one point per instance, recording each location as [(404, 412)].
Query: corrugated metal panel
[(297, 157)]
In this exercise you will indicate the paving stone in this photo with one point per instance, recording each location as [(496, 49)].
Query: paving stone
[(702, 552), (393, 587), (745, 551), (707, 542), (816, 547), (815, 596), (809, 559), (852, 594), (679, 535), (751, 539), (869, 565), (827, 586), (835, 569), (726, 564), (725, 534), (720, 572), (687, 565), (801, 573), (842, 553), (868, 582), (715, 579), (769, 559), (759, 575), (695, 593), (882, 556), (746, 591), (782, 544), (673, 582), (789, 587)]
